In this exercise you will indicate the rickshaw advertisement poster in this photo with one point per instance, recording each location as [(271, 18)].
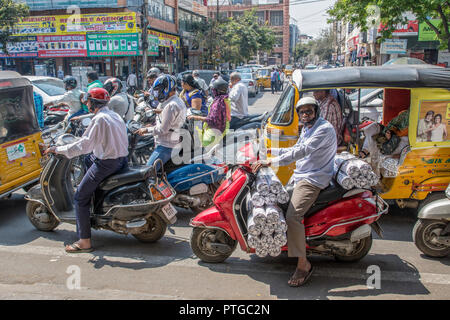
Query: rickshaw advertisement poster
[(434, 121), (119, 22)]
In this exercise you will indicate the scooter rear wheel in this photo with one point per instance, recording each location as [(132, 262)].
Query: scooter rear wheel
[(39, 216), (201, 240), (156, 230), (361, 249)]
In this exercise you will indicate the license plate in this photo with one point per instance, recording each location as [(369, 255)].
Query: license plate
[(169, 211)]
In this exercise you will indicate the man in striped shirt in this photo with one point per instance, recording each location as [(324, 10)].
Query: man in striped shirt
[(330, 110)]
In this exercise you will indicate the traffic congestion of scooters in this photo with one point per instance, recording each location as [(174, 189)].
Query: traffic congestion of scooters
[(214, 180)]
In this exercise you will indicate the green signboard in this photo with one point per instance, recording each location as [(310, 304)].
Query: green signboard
[(112, 45), (425, 31), (153, 45)]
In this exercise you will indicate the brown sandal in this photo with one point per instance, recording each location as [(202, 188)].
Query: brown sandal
[(294, 282)]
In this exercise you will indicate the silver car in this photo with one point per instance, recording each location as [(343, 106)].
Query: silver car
[(250, 80)]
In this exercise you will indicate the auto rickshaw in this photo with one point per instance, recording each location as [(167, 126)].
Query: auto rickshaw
[(288, 70), (423, 168), (20, 135), (263, 78)]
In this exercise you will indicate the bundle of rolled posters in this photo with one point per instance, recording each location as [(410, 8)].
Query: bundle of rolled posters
[(351, 172)]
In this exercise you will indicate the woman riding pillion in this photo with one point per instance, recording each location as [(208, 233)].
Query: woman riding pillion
[(173, 115), (217, 122), (192, 94)]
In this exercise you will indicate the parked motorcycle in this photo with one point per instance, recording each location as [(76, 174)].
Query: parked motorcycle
[(338, 224), (431, 232), (136, 201)]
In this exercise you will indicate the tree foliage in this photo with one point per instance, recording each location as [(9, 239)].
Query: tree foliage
[(10, 14), (364, 13), (321, 47), (234, 39)]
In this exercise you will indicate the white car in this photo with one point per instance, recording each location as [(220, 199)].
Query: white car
[(250, 80), (48, 87)]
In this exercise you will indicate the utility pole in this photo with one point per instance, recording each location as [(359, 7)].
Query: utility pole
[(144, 24)]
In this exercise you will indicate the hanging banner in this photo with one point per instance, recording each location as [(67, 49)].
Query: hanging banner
[(27, 47), (153, 46), (62, 46), (111, 45), (166, 40), (118, 22)]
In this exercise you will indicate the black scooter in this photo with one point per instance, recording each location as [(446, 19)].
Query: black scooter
[(136, 201)]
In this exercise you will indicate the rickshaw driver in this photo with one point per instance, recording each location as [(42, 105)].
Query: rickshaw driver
[(106, 137), (314, 156)]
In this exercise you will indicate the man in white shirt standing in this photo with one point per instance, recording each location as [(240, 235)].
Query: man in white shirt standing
[(238, 99), (132, 83), (106, 137)]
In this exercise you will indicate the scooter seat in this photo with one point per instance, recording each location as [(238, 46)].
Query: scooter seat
[(331, 193), (133, 174)]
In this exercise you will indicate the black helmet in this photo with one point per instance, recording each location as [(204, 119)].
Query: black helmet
[(70, 82), (189, 79), (113, 86), (221, 86)]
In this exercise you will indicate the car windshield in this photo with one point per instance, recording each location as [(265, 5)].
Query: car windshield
[(263, 72), (364, 92), (52, 87), (246, 76)]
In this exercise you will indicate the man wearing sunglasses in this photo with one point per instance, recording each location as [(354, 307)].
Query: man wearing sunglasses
[(313, 155)]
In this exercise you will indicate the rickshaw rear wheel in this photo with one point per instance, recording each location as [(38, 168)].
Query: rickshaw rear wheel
[(39, 216)]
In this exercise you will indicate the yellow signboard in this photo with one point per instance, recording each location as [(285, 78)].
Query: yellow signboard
[(119, 22)]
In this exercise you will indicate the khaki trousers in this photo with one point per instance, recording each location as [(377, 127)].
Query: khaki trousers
[(303, 197)]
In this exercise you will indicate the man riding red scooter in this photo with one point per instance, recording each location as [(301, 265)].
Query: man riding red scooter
[(337, 221)]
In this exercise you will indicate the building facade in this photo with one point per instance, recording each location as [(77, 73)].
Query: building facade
[(273, 13)]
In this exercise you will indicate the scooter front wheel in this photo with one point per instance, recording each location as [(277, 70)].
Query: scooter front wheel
[(156, 230), (425, 234), (212, 245), (39, 216)]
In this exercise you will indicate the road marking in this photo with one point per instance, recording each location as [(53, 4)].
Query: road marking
[(240, 266)]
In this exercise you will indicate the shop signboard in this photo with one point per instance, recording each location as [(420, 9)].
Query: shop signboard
[(392, 46), (62, 46), (425, 31), (166, 40), (111, 45), (64, 4), (153, 45), (411, 28), (26, 47), (117, 22)]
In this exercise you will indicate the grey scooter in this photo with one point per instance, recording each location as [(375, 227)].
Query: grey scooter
[(431, 232)]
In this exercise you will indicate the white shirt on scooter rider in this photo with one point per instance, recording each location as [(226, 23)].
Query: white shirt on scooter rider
[(106, 137), (313, 154), (72, 99), (169, 123)]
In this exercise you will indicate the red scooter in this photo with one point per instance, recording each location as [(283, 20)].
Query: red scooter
[(339, 224)]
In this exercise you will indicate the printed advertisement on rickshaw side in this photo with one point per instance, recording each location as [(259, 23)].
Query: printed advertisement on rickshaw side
[(434, 121)]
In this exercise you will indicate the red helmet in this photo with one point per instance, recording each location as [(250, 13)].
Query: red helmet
[(99, 95)]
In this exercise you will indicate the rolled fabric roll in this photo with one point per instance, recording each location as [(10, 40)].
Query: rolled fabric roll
[(253, 228), (345, 181), (271, 199), (283, 197), (274, 251), (280, 238), (363, 166), (259, 215), (267, 229), (253, 242), (267, 239), (261, 252), (273, 214), (257, 199)]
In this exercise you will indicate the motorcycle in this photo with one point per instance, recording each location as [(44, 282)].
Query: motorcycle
[(136, 201), (338, 224), (431, 233)]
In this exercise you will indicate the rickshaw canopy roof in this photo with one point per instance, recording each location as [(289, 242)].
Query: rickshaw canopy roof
[(393, 76), (9, 79)]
